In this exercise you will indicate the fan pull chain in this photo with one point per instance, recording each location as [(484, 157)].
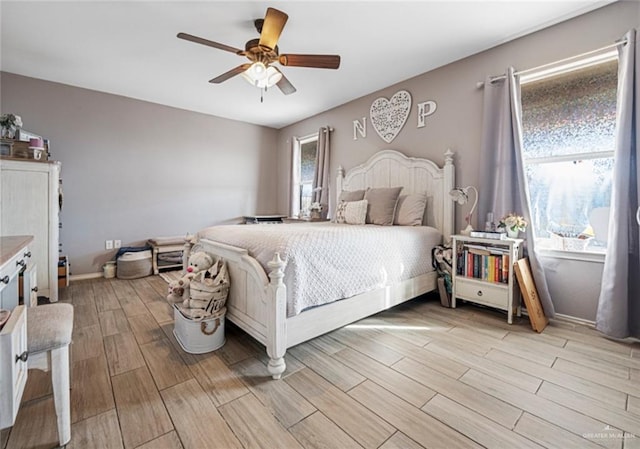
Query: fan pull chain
[(261, 95)]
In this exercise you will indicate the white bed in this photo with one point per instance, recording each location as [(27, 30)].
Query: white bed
[(257, 302)]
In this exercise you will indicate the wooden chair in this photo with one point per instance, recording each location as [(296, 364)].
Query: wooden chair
[(49, 329)]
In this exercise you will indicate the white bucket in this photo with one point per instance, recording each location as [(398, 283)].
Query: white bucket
[(109, 270), (199, 337)]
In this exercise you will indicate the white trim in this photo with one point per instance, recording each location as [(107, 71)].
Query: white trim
[(568, 319), (569, 157), (561, 67), (575, 320), (83, 277), (583, 256), (296, 175), (603, 54)]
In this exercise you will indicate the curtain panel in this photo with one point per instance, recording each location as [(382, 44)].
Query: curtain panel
[(321, 176), (618, 312), (502, 179)]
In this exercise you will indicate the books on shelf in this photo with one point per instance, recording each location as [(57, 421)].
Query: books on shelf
[(493, 235), (485, 263)]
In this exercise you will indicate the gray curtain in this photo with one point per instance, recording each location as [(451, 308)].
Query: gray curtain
[(292, 179), (321, 175), (502, 180), (619, 303)]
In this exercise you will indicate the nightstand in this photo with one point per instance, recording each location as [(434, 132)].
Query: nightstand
[(482, 272)]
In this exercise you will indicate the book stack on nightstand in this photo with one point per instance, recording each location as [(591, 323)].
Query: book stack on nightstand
[(483, 272)]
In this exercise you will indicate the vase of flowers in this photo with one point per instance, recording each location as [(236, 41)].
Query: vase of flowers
[(513, 224), (9, 124)]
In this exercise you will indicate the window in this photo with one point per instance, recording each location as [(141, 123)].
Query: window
[(568, 146), (304, 166)]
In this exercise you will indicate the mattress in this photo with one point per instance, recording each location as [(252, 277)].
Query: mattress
[(326, 261)]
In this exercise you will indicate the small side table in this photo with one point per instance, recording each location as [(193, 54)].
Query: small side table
[(164, 245), (483, 273), (263, 219)]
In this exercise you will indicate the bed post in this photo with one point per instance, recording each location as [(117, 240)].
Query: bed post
[(339, 179), (189, 241), (449, 218), (277, 311)]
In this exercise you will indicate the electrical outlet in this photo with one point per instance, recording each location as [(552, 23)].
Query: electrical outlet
[(117, 243), (108, 244)]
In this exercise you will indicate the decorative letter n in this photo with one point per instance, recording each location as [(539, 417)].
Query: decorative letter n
[(360, 128)]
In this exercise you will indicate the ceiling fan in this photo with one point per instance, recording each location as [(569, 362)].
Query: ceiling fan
[(263, 52)]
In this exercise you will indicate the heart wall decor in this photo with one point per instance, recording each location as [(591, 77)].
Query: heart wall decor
[(389, 116)]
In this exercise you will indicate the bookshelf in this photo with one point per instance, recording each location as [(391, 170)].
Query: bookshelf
[(483, 272)]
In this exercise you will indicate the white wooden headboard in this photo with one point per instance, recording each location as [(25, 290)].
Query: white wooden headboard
[(390, 168)]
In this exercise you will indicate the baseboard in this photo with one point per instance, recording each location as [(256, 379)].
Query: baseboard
[(569, 319), (575, 320), (84, 277)]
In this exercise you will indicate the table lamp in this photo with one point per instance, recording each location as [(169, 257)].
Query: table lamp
[(461, 196)]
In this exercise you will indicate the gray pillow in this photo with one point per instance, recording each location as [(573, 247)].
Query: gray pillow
[(351, 195), (410, 209), (382, 205)]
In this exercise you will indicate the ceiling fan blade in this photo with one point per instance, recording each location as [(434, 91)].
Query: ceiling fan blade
[(230, 74), (272, 28), (285, 85), (199, 40), (315, 61)]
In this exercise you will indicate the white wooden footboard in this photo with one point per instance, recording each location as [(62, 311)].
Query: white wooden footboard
[(257, 303)]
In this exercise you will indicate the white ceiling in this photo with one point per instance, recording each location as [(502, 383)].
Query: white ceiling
[(130, 48)]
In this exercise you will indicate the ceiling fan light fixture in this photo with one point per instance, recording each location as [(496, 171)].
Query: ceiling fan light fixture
[(269, 76), (273, 76), (257, 71), (263, 52)]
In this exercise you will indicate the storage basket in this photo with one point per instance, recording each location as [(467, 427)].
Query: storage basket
[(133, 265), (210, 293), (198, 337)]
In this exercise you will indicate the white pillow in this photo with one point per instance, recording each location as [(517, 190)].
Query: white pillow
[(352, 212)]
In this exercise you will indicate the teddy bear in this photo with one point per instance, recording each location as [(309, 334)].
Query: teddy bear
[(198, 265)]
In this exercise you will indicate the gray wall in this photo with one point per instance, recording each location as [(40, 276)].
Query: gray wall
[(458, 120), (133, 170)]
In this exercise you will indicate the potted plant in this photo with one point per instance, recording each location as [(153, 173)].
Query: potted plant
[(513, 224)]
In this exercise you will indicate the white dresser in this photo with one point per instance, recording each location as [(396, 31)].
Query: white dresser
[(14, 257), (29, 204)]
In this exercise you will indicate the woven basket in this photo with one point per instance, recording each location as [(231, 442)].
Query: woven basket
[(134, 265)]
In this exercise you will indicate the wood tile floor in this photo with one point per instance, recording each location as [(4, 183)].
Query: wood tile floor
[(417, 376)]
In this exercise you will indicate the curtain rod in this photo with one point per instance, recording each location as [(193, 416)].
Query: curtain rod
[(480, 84)]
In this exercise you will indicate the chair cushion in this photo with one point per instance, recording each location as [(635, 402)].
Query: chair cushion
[(49, 327)]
